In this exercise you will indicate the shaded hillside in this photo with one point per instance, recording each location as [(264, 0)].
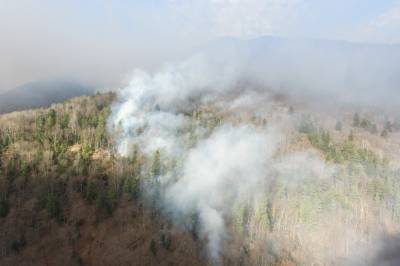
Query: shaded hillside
[(40, 94)]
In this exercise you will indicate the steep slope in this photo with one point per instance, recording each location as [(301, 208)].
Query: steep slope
[(67, 198)]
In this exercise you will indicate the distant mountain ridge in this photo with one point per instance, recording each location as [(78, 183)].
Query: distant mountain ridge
[(41, 94), (318, 69)]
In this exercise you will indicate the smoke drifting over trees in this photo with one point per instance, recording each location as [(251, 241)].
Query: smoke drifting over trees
[(214, 165), (228, 141)]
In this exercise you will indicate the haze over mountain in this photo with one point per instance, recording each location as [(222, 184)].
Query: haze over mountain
[(313, 70), (306, 69), (101, 42), (41, 94)]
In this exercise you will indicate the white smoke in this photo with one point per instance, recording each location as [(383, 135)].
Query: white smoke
[(148, 111), (220, 170), (227, 164)]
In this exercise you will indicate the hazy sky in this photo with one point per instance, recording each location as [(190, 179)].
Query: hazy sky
[(101, 41)]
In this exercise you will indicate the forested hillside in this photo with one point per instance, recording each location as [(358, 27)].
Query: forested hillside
[(67, 198)]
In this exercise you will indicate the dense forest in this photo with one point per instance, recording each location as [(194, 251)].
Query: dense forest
[(66, 196)]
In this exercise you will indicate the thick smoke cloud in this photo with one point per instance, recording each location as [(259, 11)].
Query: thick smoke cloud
[(228, 163), (150, 114)]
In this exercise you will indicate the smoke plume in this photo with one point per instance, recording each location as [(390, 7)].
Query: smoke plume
[(209, 162), (227, 161), (218, 171), (213, 166)]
